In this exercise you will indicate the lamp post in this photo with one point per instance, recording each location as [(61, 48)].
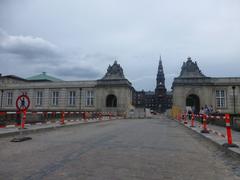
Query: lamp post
[(1, 97), (80, 98), (234, 106)]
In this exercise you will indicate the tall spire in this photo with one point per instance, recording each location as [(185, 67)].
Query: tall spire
[(160, 90), (160, 67), (160, 74)]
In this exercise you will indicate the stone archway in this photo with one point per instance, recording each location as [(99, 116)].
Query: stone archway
[(193, 101), (111, 101)]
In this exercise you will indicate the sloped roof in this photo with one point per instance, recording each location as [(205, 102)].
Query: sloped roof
[(43, 77), (14, 77)]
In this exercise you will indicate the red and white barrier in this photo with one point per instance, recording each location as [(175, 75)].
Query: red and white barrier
[(229, 132), (50, 117), (205, 129)]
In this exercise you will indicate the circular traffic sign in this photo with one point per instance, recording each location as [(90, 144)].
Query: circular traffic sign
[(22, 103)]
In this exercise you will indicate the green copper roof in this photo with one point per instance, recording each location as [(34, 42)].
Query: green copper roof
[(43, 77)]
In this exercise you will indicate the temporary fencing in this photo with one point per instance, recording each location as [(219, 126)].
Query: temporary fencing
[(22, 119), (204, 119)]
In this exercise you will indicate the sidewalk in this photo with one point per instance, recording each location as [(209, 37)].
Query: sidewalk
[(217, 134), (12, 130)]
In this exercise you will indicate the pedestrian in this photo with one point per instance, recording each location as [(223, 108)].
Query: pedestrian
[(211, 109), (206, 110), (201, 111), (189, 112)]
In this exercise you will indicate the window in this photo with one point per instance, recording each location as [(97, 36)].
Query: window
[(39, 98), (89, 98), (72, 98), (9, 98), (220, 99), (55, 98)]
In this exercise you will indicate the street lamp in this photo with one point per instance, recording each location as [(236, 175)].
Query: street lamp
[(234, 107), (80, 98), (1, 97)]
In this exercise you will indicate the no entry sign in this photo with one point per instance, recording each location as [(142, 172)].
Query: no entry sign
[(22, 103)]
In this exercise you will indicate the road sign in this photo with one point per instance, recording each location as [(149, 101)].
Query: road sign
[(22, 102)]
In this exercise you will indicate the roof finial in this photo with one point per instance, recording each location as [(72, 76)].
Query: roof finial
[(115, 61)]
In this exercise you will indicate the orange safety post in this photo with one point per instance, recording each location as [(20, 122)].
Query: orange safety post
[(110, 116), (192, 120), (53, 116), (185, 118), (62, 118), (229, 133), (45, 115), (23, 119), (204, 130), (18, 118), (180, 117), (85, 116), (100, 116)]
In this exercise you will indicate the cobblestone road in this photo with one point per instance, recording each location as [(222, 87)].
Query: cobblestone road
[(123, 149)]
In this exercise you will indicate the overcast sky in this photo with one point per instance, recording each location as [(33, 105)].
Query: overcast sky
[(78, 39)]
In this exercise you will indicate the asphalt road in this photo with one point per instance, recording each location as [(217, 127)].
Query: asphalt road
[(122, 149)]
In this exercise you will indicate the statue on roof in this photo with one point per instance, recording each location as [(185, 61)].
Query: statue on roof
[(114, 72), (190, 69)]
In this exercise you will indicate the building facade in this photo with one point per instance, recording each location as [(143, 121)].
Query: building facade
[(192, 88), (112, 93)]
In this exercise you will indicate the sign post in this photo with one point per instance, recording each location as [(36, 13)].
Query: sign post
[(22, 104)]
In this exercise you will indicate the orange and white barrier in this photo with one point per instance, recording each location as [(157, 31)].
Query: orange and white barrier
[(204, 130), (229, 132), (192, 120), (13, 119)]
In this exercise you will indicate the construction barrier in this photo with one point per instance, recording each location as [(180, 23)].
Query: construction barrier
[(192, 120), (229, 133), (62, 118), (205, 129), (204, 125), (185, 118), (13, 119), (24, 119)]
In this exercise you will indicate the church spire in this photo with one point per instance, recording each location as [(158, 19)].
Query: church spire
[(160, 66), (160, 74)]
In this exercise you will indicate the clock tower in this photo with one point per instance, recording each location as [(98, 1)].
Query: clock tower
[(160, 90)]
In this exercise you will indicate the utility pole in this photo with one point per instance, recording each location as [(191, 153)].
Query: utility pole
[(234, 105)]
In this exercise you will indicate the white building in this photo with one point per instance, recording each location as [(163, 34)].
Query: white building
[(193, 88), (112, 93)]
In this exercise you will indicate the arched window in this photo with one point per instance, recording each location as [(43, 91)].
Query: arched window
[(111, 101)]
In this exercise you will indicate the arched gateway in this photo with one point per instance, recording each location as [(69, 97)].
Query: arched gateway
[(193, 101), (111, 101)]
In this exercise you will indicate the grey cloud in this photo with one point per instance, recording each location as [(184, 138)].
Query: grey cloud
[(27, 46), (98, 56), (136, 32), (77, 72)]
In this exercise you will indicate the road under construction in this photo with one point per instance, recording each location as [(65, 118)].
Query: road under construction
[(154, 148)]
